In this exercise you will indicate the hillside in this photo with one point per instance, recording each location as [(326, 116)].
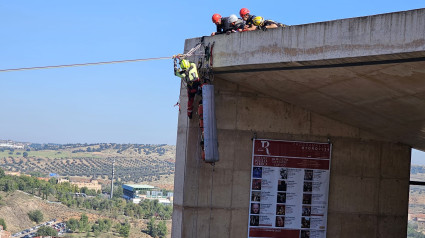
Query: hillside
[(15, 206), (133, 162), (417, 193)]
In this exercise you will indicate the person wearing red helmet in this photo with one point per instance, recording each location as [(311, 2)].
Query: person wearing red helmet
[(247, 17), (222, 23)]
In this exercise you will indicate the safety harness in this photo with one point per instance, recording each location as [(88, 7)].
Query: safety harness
[(206, 76)]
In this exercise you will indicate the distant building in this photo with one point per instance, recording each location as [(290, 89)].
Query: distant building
[(415, 217), (4, 234), (154, 193), (138, 193), (47, 237), (93, 184), (162, 200), (12, 173), (133, 190), (81, 183), (12, 146), (63, 180)]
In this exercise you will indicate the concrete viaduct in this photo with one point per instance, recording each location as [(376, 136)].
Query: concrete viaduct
[(358, 82)]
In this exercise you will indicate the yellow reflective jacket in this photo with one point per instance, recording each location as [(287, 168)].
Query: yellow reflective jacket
[(189, 75)]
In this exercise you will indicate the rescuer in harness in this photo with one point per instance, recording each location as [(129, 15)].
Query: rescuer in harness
[(247, 18), (266, 24), (189, 74), (236, 24), (222, 23)]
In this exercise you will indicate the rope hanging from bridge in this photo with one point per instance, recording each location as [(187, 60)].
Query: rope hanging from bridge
[(188, 54)]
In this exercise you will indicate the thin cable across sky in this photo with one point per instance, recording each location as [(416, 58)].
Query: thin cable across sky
[(84, 64), (189, 53)]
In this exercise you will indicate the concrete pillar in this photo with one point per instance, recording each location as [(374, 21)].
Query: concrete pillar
[(369, 182)]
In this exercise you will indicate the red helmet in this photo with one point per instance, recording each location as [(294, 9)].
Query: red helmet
[(243, 12), (216, 17)]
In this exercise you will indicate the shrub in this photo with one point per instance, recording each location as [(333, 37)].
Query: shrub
[(36, 216)]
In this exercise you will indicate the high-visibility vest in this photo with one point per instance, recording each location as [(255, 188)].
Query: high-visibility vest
[(189, 75)]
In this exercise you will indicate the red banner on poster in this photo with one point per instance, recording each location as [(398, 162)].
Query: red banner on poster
[(292, 149), (268, 232), (291, 162)]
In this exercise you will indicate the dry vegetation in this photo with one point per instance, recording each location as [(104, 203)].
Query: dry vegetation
[(15, 206), (134, 163), (417, 193)]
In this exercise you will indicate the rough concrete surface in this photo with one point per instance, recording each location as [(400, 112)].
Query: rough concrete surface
[(357, 82)]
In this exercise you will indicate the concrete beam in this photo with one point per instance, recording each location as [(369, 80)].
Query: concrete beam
[(358, 82), (367, 72)]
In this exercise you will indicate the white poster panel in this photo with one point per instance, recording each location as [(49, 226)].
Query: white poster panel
[(289, 189)]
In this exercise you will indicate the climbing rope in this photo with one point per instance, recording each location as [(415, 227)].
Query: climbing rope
[(83, 64), (182, 56)]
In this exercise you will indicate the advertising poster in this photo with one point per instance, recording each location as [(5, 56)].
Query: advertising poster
[(289, 189)]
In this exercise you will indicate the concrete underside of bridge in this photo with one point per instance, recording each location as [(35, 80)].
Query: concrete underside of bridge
[(358, 82)]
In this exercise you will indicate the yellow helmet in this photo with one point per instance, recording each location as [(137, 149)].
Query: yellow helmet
[(184, 64), (258, 21)]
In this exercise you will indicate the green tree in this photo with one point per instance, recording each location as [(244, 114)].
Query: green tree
[(83, 224), (105, 224), (157, 230), (2, 174), (124, 230), (162, 229), (411, 231), (36, 216), (53, 181), (46, 231), (152, 229), (96, 229), (3, 223), (72, 224)]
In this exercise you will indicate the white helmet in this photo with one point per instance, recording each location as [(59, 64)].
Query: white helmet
[(233, 18)]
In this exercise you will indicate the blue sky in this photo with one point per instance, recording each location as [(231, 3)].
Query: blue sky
[(121, 103)]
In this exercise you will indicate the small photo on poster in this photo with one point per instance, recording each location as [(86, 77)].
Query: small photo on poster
[(308, 186), (280, 221), (254, 220), (305, 222), (305, 234), (280, 209), (283, 173), (281, 198), (257, 172), (306, 211), (256, 196), (308, 174), (255, 208), (281, 185), (256, 184), (306, 198)]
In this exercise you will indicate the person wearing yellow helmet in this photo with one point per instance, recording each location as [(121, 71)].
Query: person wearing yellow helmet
[(189, 74), (266, 24)]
